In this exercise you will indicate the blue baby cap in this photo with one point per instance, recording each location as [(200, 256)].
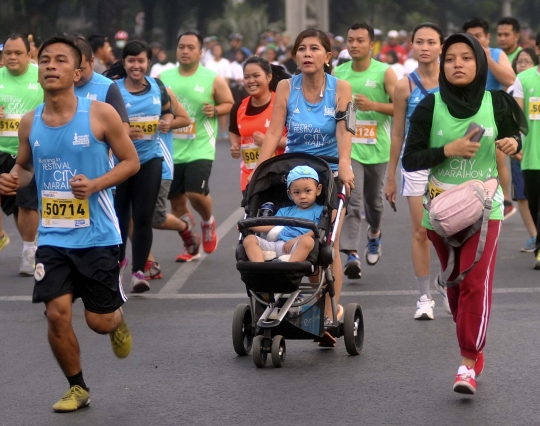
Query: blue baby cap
[(301, 172)]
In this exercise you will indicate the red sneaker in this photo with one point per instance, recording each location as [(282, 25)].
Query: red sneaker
[(209, 236), (479, 366), (152, 271), (185, 256), (192, 241), (465, 383)]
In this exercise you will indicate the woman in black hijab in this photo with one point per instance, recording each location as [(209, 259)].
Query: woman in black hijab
[(439, 140)]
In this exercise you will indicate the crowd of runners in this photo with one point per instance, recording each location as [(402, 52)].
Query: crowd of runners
[(86, 128)]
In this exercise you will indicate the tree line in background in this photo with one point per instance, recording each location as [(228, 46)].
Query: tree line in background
[(165, 19)]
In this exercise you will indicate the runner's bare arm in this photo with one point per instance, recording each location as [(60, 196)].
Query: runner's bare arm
[(401, 93), (107, 126), (223, 97), (181, 117), (502, 70), (520, 102), (343, 136), (275, 130), (234, 140), (390, 80)]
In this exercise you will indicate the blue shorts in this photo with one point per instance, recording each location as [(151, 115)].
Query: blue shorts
[(518, 185)]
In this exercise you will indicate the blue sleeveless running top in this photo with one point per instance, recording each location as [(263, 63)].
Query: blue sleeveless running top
[(416, 97), (59, 154), (312, 127), (492, 83), (96, 89), (166, 143), (144, 111)]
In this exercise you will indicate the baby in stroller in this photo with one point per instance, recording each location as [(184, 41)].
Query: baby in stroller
[(303, 188), (282, 304)]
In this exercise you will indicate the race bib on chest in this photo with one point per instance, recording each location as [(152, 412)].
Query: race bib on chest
[(250, 155), (60, 209), (366, 132), (436, 188), (534, 108), (148, 125), (188, 132), (9, 125)]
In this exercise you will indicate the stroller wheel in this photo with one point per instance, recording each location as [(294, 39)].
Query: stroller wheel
[(242, 330), (353, 328), (278, 351), (259, 354)]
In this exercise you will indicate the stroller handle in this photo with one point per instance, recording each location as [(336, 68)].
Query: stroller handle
[(245, 224), (329, 159)]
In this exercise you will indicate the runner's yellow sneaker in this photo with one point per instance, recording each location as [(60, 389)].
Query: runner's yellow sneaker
[(4, 241), (121, 339), (74, 399)]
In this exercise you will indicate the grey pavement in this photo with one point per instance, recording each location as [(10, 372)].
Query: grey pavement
[(183, 369)]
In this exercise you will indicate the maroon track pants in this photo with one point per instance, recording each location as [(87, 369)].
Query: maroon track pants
[(470, 301)]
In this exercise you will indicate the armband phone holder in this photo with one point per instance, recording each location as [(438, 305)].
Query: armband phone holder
[(349, 115)]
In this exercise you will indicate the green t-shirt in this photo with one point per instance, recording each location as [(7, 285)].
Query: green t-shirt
[(530, 80), (198, 140), (18, 94), (512, 55), (455, 170), (371, 144)]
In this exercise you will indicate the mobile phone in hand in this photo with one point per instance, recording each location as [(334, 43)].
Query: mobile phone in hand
[(478, 135)]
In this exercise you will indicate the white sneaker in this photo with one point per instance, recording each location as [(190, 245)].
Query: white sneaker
[(139, 283), (424, 308), (442, 291), (28, 262)]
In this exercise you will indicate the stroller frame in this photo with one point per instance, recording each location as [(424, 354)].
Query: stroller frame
[(264, 331)]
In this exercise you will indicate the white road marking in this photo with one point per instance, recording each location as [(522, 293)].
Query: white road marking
[(211, 296), (182, 274)]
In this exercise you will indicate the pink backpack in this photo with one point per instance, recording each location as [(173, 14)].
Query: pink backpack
[(467, 205)]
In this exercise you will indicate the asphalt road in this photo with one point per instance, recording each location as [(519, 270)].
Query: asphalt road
[(183, 369)]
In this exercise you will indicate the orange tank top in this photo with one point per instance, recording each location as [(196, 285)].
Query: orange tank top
[(247, 126)]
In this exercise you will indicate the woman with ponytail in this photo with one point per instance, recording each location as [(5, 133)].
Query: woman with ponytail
[(307, 105), (250, 117)]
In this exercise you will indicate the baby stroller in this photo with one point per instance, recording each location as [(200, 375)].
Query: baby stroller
[(280, 304)]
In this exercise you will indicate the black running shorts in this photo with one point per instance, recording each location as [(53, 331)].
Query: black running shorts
[(90, 273), (191, 177)]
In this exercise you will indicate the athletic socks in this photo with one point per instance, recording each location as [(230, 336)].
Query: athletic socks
[(424, 284), (28, 245), (204, 222), (77, 380), (373, 235)]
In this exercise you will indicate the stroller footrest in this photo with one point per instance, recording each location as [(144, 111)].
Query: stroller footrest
[(269, 267)]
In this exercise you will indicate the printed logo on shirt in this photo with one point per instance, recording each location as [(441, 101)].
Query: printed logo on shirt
[(440, 133), (128, 105), (417, 99), (91, 96), (371, 83), (156, 100), (329, 111), (83, 140), (488, 131), (296, 111), (1, 86), (33, 86), (531, 90), (36, 143), (199, 89), (267, 124)]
